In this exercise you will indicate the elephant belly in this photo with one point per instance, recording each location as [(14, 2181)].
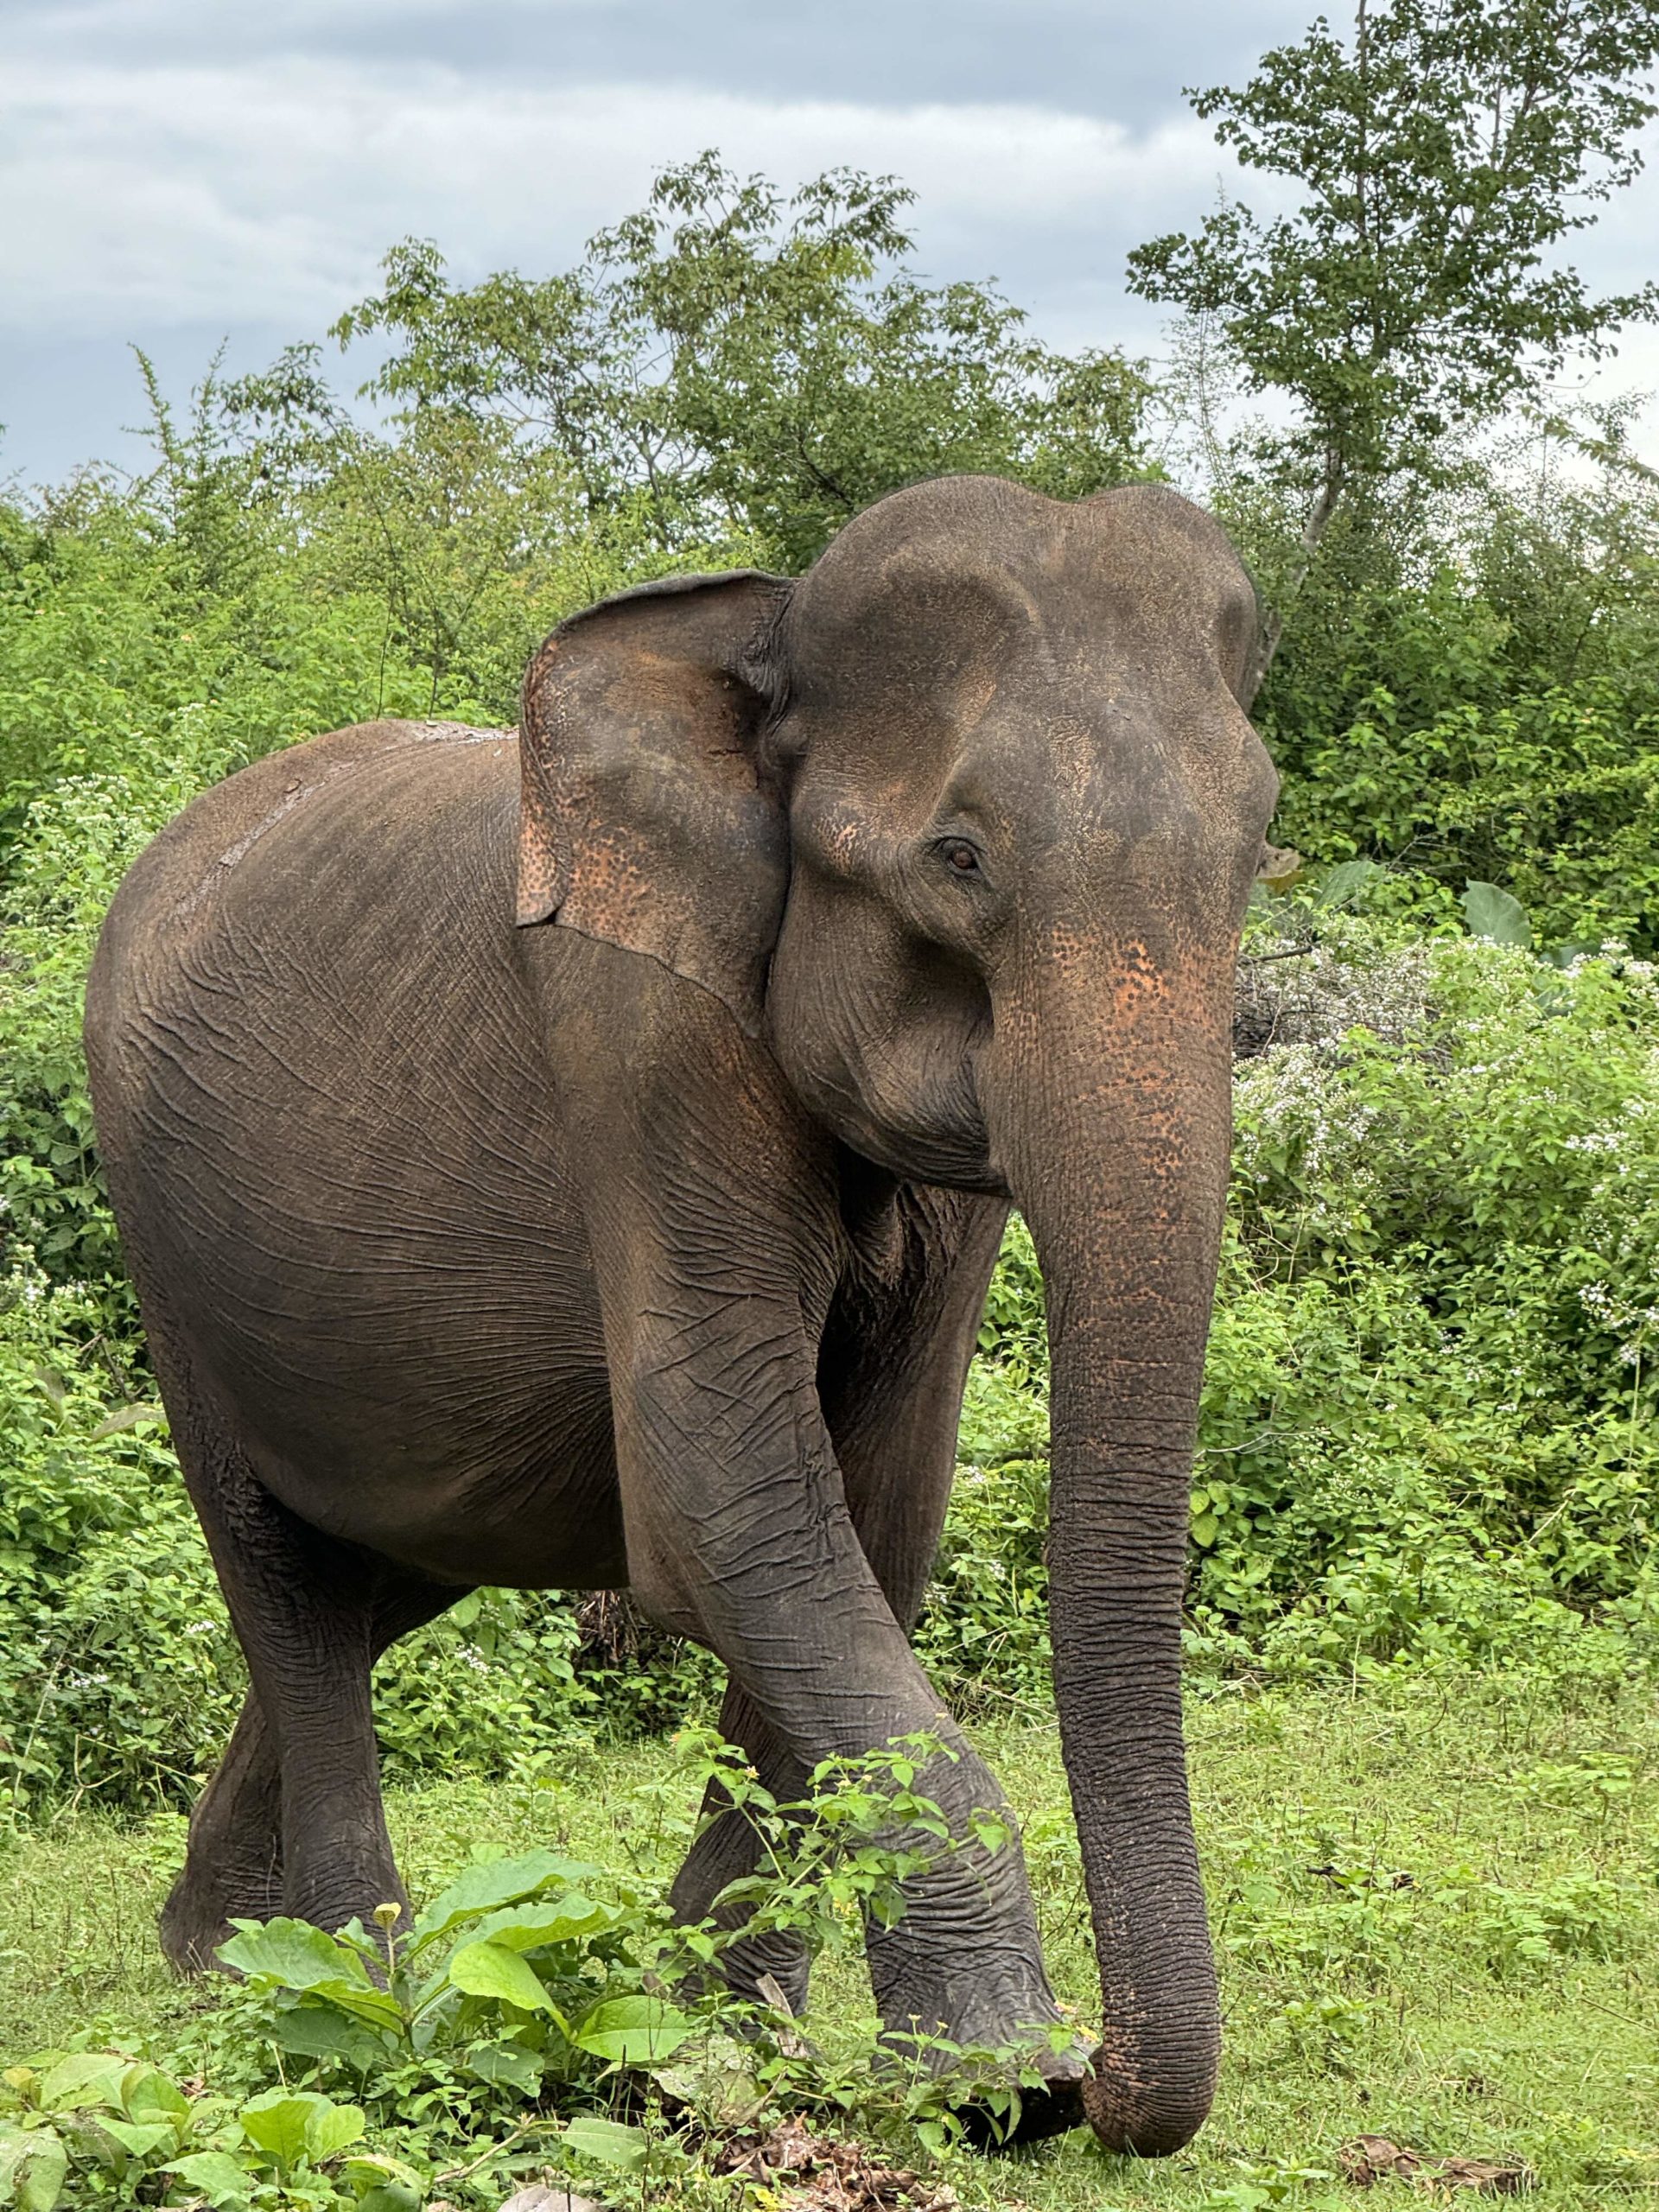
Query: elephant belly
[(422, 1400)]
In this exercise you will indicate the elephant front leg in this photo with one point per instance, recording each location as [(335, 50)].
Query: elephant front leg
[(740, 1533), (891, 1362), (713, 1216)]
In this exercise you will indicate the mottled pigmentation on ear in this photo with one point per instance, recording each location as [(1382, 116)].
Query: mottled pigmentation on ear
[(644, 817), (544, 849)]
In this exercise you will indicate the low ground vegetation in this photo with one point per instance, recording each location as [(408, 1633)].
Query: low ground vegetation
[(1434, 1905)]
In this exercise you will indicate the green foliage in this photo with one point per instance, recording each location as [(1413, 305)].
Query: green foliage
[(376, 2068), (729, 367), (1429, 1411)]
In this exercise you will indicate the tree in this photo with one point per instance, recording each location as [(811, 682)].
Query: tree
[(735, 362), (1444, 150)]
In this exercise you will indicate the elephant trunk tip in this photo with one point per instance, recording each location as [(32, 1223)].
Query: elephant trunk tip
[(1146, 2120)]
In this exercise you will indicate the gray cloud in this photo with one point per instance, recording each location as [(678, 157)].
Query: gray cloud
[(1126, 63)]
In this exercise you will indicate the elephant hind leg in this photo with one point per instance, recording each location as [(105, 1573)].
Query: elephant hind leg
[(292, 1821), (727, 1850), (234, 1861)]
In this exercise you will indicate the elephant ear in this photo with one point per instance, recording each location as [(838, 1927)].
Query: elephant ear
[(647, 817)]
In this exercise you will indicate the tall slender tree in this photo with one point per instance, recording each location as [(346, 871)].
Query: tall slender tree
[(1443, 148)]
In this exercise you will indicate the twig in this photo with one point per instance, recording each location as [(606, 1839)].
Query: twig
[(1291, 952), (496, 2150)]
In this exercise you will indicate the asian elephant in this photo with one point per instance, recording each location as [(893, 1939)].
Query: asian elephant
[(579, 1164)]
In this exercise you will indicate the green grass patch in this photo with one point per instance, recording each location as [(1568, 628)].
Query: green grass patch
[(1436, 1907)]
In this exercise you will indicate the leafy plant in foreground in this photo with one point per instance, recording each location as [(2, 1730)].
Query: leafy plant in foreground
[(521, 2011)]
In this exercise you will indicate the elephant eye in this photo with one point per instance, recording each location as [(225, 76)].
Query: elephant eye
[(959, 856)]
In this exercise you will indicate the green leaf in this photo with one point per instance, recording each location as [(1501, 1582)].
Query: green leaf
[(1495, 914), (322, 2032), (390, 2196), (607, 2143), (293, 2124), (137, 2138), (89, 2078), (138, 1416), (1345, 881), (33, 2165), (331, 2127), (146, 2093), (216, 2175), (488, 1970), (1205, 1529), (635, 2031), (293, 1954), (507, 2065), (375, 2170), (563, 1920), (494, 1882)]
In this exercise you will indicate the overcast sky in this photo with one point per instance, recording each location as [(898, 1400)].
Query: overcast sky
[(177, 172)]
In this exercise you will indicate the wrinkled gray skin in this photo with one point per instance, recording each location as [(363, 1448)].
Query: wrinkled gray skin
[(642, 1244)]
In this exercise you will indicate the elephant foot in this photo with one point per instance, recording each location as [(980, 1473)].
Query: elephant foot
[(196, 1919), (1002, 2004), (199, 1914), (1053, 2109)]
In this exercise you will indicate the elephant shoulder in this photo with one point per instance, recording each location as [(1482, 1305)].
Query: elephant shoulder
[(319, 825)]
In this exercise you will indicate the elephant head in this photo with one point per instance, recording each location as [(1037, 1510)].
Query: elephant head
[(962, 824)]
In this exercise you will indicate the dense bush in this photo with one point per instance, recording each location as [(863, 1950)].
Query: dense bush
[(1427, 1417), (1473, 690)]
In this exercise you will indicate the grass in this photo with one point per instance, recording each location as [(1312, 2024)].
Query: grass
[(1437, 1911)]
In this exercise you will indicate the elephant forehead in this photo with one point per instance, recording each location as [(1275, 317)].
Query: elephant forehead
[(966, 558)]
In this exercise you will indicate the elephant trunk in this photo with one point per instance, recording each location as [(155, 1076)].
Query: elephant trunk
[(1114, 1137)]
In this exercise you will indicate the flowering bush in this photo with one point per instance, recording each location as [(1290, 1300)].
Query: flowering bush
[(1428, 1416)]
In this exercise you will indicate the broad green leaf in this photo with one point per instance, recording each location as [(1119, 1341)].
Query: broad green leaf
[(488, 1970), (137, 2138), (135, 1416), (216, 2175), (1346, 880), (635, 2031), (322, 2032), (390, 2196), (331, 2127), (293, 1953), (293, 2124), (562, 1920), (506, 2063), (494, 1882), (33, 2170), (607, 2143), (89, 2078), (146, 2093), (1496, 914), (367, 2170)]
